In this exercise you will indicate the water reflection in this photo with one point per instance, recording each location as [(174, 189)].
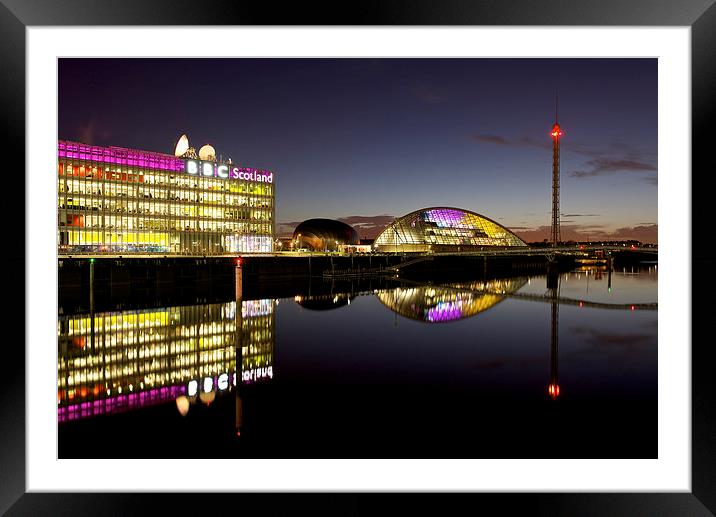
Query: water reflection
[(553, 284), (325, 302), (501, 367), (111, 362), (451, 302)]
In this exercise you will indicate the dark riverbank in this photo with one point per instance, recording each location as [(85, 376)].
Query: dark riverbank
[(115, 282)]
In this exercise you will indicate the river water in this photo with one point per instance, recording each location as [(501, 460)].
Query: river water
[(501, 368)]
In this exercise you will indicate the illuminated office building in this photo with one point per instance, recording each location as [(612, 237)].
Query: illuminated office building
[(118, 361), (113, 200)]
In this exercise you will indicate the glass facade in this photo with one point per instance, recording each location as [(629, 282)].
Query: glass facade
[(443, 229), (113, 200), (112, 362)]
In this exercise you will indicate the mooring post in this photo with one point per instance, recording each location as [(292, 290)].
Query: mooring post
[(238, 283)]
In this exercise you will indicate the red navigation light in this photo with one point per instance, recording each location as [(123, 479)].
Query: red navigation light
[(556, 131), (238, 261), (553, 391)]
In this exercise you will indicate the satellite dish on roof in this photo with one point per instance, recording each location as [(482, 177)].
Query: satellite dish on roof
[(207, 152), (182, 146)]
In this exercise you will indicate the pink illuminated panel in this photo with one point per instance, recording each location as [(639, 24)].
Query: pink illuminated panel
[(119, 156), (119, 403), (160, 161)]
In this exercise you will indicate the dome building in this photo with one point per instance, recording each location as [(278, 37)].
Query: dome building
[(443, 229), (323, 235)]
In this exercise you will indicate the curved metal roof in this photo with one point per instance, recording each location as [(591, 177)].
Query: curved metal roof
[(447, 226), (317, 233)]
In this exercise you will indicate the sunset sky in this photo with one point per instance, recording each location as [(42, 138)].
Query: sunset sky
[(368, 140)]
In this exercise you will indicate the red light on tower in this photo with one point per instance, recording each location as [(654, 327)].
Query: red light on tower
[(556, 131)]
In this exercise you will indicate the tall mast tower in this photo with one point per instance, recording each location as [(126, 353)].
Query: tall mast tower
[(556, 135)]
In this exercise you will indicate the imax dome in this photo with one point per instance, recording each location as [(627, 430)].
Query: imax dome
[(443, 229), (323, 235)]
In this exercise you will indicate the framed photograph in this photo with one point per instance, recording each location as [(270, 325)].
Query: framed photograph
[(414, 251)]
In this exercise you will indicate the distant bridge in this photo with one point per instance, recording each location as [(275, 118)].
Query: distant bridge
[(548, 250), (583, 303), (562, 300)]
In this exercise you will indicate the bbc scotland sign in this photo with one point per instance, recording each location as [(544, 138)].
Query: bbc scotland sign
[(224, 171)]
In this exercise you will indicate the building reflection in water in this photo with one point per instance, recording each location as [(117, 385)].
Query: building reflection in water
[(437, 304), (117, 361), (324, 302), (451, 302)]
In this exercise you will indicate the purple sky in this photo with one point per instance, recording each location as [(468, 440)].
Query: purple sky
[(367, 140)]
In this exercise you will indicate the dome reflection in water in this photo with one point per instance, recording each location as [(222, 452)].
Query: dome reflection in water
[(439, 304)]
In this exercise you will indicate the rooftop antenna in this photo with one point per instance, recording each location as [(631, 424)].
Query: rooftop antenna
[(556, 105)]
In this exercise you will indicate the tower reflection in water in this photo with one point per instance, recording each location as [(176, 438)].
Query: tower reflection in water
[(112, 362), (456, 301)]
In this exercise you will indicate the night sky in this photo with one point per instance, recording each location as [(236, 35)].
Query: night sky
[(367, 140)]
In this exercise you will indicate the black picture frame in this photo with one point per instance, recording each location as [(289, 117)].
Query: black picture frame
[(699, 15)]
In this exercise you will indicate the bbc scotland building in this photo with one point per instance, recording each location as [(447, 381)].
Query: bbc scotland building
[(113, 200)]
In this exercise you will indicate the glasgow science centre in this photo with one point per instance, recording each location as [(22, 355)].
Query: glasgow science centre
[(113, 200)]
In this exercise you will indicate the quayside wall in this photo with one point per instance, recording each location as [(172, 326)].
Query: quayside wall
[(133, 279)]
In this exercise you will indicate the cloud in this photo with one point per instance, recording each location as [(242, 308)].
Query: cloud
[(614, 339), (645, 233), (599, 166), (428, 95), (285, 229), (491, 139), (580, 215), (613, 158), (368, 226), (87, 132)]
